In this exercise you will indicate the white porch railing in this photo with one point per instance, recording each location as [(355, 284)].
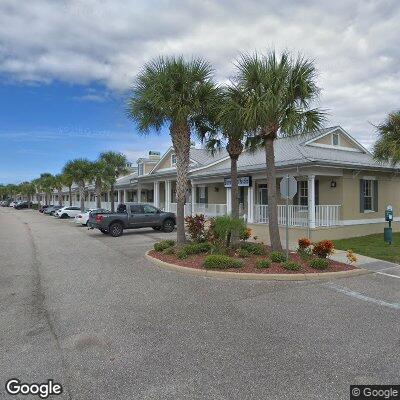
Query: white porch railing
[(209, 210), (325, 215), (173, 207)]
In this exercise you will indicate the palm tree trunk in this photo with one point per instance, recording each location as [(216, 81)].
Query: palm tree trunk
[(272, 195), (234, 189), (181, 140), (82, 196), (70, 195), (112, 197), (60, 199), (98, 194)]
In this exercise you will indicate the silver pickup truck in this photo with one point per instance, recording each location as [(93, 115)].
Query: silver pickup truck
[(132, 216)]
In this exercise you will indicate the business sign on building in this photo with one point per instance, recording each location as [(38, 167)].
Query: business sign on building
[(244, 181)]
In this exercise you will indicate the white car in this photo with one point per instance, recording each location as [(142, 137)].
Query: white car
[(13, 203), (67, 212), (83, 218)]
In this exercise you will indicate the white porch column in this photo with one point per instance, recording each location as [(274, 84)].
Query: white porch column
[(125, 196), (228, 201), (156, 196), (194, 189), (311, 201), (139, 194), (250, 204), (167, 185), (118, 196)]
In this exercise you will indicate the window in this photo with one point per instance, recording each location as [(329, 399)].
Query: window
[(303, 193), (140, 169), (121, 209), (202, 195), (368, 195), (335, 139), (173, 159), (136, 209), (149, 209)]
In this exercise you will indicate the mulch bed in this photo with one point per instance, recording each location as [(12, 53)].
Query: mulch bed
[(196, 261)]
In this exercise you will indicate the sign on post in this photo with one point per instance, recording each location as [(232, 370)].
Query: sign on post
[(288, 189)]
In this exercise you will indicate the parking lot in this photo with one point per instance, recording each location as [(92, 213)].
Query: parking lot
[(89, 311)]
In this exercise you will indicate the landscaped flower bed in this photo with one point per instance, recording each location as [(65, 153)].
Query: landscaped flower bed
[(247, 258)]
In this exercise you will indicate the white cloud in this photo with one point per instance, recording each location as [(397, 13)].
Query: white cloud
[(354, 43)]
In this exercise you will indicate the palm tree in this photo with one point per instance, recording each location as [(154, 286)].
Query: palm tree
[(387, 147), (68, 181), (226, 128), (99, 175), (278, 95), (58, 185), (81, 171), (28, 189), (176, 92), (47, 185), (114, 167)]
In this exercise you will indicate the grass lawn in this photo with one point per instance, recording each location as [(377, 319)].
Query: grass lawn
[(373, 246)]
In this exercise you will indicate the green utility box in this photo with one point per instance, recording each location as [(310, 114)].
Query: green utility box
[(388, 235), (387, 232)]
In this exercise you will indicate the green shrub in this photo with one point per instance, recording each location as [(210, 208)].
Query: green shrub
[(160, 246), (219, 249), (243, 253), (319, 263), (193, 248), (253, 248), (221, 261), (169, 251), (222, 228), (263, 263), (305, 254), (277, 256), (291, 266)]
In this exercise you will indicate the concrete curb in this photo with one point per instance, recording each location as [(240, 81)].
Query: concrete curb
[(317, 276)]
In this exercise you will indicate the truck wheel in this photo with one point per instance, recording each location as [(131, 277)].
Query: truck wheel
[(168, 225), (104, 231), (115, 229), (64, 216)]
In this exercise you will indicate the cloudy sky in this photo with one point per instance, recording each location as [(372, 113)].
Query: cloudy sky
[(66, 66)]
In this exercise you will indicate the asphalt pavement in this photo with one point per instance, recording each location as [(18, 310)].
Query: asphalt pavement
[(90, 312)]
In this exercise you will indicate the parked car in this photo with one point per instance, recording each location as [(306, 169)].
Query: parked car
[(132, 216), (6, 203), (51, 210), (23, 204), (83, 217), (67, 212), (13, 203), (43, 207)]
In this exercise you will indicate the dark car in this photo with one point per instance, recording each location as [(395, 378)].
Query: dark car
[(51, 210), (43, 207), (23, 204), (132, 216)]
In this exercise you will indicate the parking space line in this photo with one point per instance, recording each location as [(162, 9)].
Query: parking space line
[(360, 296), (393, 276)]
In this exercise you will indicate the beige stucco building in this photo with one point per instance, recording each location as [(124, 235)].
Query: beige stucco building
[(342, 191)]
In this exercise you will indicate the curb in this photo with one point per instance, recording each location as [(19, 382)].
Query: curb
[(317, 276)]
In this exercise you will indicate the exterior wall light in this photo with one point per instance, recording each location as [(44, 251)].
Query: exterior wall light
[(333, 184)]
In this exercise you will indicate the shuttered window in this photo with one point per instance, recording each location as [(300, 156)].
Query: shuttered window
[(368, 195)]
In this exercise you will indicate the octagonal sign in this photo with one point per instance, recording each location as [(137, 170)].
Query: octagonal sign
[(288, 187)]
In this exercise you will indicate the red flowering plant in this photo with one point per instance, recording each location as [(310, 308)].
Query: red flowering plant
[(196, 227), (304, 249), (323, 249), (245, 234), (304, 243)]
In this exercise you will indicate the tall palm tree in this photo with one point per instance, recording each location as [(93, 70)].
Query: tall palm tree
[(176, 92), (99, 175), (387, 147), (115, 166), (28, 189), (226, 129), (47, 185), (81, 171), (279, 92)]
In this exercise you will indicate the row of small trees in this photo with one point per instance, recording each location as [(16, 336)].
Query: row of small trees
[(102, 172)]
